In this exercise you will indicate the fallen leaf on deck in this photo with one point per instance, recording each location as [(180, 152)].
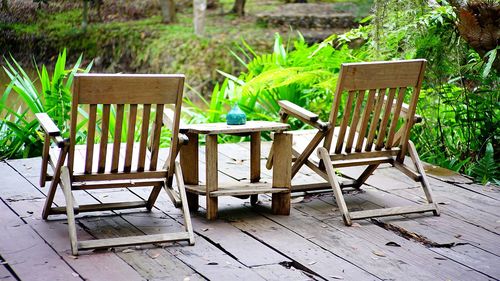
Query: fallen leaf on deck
[(313, 262), (128, 251), (75, 274), (458, 235), (336, 277), (205, 229), (212, 263), (378, 253), (440, 258), (153, 253), (444, 203), (392, 244), (73, 257)]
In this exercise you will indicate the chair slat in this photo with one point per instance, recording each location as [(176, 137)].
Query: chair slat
[(144, 137), (395, 118), (130, 138), (364, 120), (117, 138), (103, 147), (405, 136), (375, 119), (355, 120), (345, 121), (155, 146), (333, 120), (90, 138), (385, 120)]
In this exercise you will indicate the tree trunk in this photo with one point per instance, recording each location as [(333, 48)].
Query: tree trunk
[(167, 11), (199, 8), (239, 7)]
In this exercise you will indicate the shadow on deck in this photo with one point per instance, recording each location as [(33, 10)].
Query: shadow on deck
[(249, 243)]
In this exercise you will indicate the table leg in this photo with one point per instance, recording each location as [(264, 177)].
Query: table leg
[(255, 157), (282, 172), (189, 164), (254, 163), (211, 175)]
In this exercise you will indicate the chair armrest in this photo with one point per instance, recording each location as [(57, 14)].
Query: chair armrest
[(50, 129), (298, 111), (302, 114), (47, 124)]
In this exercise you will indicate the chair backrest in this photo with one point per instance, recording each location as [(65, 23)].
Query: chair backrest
[(115, 99), (369, 97)]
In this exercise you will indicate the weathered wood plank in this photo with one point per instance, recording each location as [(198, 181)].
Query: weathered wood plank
[(27, 253), (473, 258), (282, 272), (205, 258), (247, 244), (137, 257), (303, 252), (6, 275), (411, 259), (492, 191), (102, 266), (471, 207)]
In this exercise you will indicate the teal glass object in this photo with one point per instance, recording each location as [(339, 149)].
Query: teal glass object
[(236, 116)]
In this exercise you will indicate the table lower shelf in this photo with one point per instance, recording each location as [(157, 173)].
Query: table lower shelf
[(236, 189)]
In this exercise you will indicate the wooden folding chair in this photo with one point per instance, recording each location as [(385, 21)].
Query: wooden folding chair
[(375, 126), (104, 162)]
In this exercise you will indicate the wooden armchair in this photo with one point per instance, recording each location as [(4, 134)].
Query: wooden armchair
[(104, 162), (375, 126)]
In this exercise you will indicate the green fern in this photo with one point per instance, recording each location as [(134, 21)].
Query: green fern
[(486, 169)]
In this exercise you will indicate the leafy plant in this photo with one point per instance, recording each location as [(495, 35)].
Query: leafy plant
[(460, 95), (486, 169), (459, 98), (18, 128)]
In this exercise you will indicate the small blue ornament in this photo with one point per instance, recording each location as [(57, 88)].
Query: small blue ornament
[(236, 116)]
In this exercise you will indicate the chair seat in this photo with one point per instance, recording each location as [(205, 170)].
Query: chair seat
[(302, 138), (80, 154)]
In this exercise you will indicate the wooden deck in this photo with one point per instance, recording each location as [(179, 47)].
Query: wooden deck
[(249, 243)]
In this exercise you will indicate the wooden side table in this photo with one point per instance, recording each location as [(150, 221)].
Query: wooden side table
[(281, 183)]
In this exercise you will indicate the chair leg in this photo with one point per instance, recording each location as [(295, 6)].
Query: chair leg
[(55, 181), (185, 206), (66, 186), (45, 160), (334, 182), (152, 197), (364, 176), (420, 169)]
